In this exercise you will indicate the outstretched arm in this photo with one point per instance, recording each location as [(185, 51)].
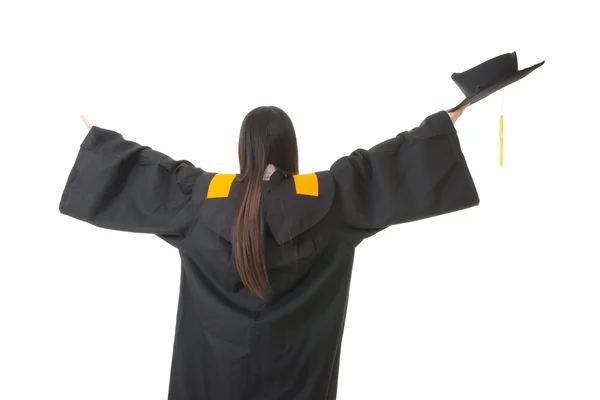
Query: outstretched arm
[(418, 174), (119, 184)]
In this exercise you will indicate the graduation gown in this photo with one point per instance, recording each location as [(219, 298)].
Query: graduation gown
[(229, 345)]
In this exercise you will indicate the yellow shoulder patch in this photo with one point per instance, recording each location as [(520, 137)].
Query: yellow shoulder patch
[(307, 184), (220, 185)]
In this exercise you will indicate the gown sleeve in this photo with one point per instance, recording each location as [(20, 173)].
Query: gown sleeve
[(418, 174), (121, 185)]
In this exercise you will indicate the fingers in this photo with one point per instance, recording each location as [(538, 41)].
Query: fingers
[(86, 122)]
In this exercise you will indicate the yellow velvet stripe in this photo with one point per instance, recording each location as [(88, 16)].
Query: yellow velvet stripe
[(307, 184), (219, 186)]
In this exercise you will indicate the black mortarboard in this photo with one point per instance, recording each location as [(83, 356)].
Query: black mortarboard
[(490, 76)]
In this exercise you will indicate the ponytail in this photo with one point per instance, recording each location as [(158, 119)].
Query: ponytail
[(248, 246)]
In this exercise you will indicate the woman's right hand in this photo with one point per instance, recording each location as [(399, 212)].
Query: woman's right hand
[(456, 113)]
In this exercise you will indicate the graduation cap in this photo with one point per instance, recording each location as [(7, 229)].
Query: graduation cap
[(487, 78)]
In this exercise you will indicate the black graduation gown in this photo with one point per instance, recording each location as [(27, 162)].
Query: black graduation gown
[(229, 345)]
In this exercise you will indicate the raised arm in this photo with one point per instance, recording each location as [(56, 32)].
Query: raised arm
[(119, 184), (418, 174)]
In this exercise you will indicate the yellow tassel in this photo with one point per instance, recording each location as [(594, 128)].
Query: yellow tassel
[(501, 141)]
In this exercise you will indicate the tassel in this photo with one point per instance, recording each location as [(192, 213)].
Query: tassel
[(502, 132), (501, 141)]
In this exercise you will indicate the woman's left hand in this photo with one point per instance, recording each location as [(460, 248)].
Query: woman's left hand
[(86, 122)]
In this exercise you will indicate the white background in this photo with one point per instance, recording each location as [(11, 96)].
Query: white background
[(501, 301)]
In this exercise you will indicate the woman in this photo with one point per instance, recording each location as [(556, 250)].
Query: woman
[(267, 254)]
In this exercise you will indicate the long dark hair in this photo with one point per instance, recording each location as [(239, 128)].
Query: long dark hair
[(267, 136)]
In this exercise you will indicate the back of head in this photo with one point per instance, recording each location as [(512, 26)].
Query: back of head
[(267, 136)]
